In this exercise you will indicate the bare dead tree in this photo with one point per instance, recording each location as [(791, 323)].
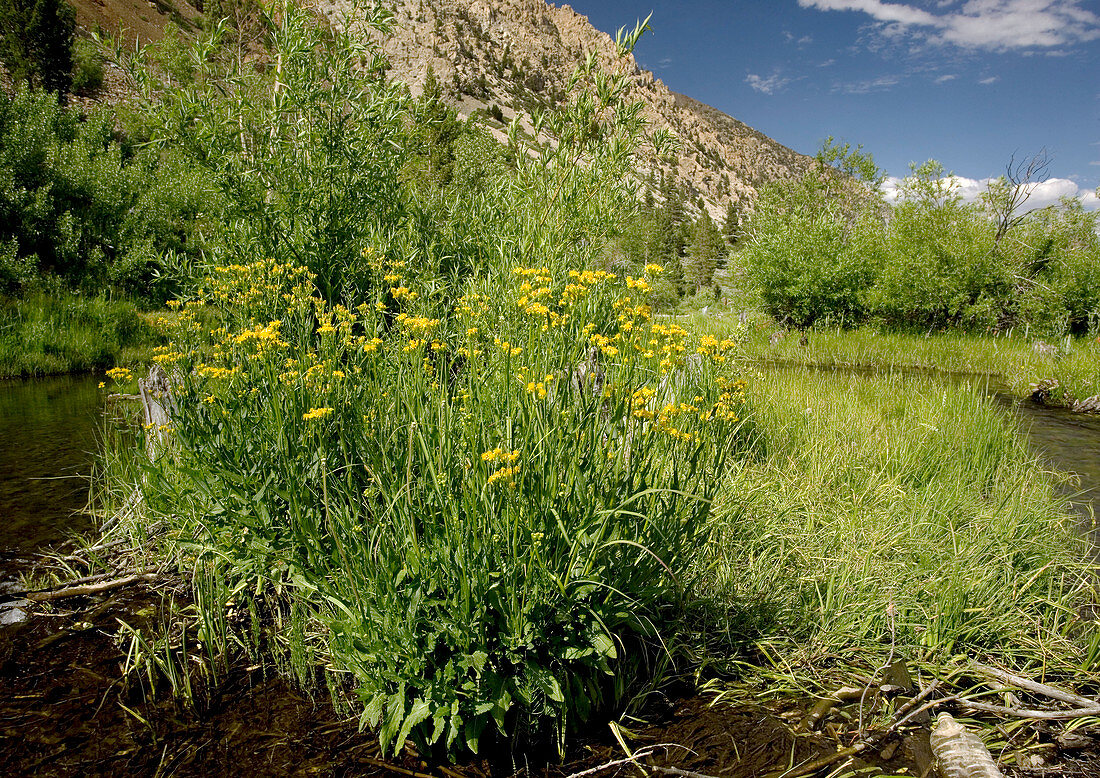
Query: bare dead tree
[(1006, 197)]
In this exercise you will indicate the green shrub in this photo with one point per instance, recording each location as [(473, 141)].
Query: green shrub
[(421, 440), (87, 67), (812, 245), (86, 213)]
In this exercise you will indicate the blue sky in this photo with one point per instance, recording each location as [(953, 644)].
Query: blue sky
[(966, 82)]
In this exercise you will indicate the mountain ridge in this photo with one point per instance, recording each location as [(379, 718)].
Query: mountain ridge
[(507, 56)]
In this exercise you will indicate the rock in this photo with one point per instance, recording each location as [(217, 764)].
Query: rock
[(1088, 405)]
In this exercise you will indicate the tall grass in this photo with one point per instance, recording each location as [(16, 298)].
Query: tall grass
[(899, 508), (66, 333), (1070, 366)]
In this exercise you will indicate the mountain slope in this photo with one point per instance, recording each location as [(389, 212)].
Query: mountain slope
[(510, 55), (500, 58)]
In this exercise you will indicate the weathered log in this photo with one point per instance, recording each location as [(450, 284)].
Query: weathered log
[(157, 404), (90, 589)]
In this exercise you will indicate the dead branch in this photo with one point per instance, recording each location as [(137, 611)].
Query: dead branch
[(615, 763), (1024, 713), (149, 574), (1034, 686)]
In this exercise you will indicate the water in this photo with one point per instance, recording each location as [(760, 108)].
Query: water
[(1067, 441), (49, 431)]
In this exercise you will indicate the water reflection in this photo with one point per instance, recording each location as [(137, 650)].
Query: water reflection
[(48, 435)]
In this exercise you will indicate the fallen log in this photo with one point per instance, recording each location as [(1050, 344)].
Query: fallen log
[(1035, 687)]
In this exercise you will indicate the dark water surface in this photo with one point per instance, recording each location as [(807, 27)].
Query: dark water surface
[(1069, 442), (49, 432)]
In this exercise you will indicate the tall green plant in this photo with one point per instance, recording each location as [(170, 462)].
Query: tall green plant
[(469, 488)]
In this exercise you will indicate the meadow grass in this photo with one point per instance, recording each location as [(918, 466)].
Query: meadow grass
[(1069, 367), (51, 334), (900, 514)]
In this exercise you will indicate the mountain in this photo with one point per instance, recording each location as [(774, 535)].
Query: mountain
[(499, 58)]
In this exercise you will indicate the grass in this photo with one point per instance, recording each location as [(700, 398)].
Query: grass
[(896, 513), (52, 334), (1069, 368)]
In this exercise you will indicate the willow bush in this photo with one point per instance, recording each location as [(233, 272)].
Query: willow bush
[(447, 465), (827, 249)]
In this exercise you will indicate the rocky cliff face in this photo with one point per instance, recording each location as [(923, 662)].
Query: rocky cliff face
[(502, 57)]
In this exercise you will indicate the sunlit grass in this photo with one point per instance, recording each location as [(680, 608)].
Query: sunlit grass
[(899, 509), (1016, 359)]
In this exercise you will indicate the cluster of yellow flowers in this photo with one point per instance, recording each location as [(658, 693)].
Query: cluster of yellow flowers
[(120, 374), (500, 455), (538, 388), (505, 473), (263, 337), (316, 413)]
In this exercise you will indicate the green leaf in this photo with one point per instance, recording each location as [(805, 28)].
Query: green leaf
[(395, 712), (605, 646), (472, 732), (421, 710), (372, 714)]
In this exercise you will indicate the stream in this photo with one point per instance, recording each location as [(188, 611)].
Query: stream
[(52, 714)]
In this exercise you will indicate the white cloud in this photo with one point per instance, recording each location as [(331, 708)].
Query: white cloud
[(827, 63), (1050, 192), (867, 86), (990, 80), (770, 85), (996, 25), (945, 78)]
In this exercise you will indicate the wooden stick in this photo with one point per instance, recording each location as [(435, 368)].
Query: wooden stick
[(88, 589), (1023, 713), (1038, 688), (825, 761), (615, 763)]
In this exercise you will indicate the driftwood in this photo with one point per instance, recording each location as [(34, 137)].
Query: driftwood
[(1035, 687), (157, 404), (1088, 405), (46, 595)]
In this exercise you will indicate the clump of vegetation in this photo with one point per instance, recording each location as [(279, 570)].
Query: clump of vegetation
[(421, 441), (82, 211), (65, 333), (87, 67), (827, 249)]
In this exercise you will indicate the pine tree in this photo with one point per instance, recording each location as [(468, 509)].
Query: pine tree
[(731, 226), (36, 42), (702, 252)]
